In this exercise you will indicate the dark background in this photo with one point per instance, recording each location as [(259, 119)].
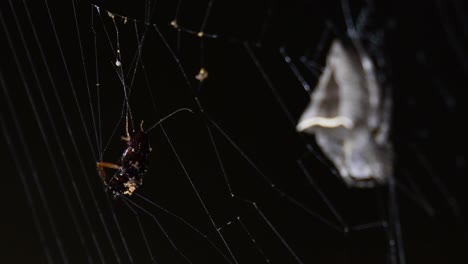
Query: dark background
[(50, 139)]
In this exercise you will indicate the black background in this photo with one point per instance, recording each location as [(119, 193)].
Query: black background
[(425, 66)]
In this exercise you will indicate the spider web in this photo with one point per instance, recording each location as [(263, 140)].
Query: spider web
[(230, 181)]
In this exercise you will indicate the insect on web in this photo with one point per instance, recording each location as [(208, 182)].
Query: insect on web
[(231, 182)]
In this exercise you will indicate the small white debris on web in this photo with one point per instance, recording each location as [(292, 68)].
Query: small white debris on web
[(117, 61), (174, 24), (202, 75), (110, 15), (200, 34)]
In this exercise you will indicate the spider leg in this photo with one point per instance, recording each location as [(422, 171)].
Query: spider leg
[(141, 125), (127, 138), (101, 165)]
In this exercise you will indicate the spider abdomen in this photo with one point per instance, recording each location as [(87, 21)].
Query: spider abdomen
[(133, 165)]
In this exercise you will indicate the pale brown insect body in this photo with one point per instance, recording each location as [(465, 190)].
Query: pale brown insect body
[(349, 114)]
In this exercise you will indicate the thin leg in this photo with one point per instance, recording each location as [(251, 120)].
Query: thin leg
[(101, 165), (166, 117), (127, 138)]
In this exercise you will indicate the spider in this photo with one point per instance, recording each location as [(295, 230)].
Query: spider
[(132, 166)]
